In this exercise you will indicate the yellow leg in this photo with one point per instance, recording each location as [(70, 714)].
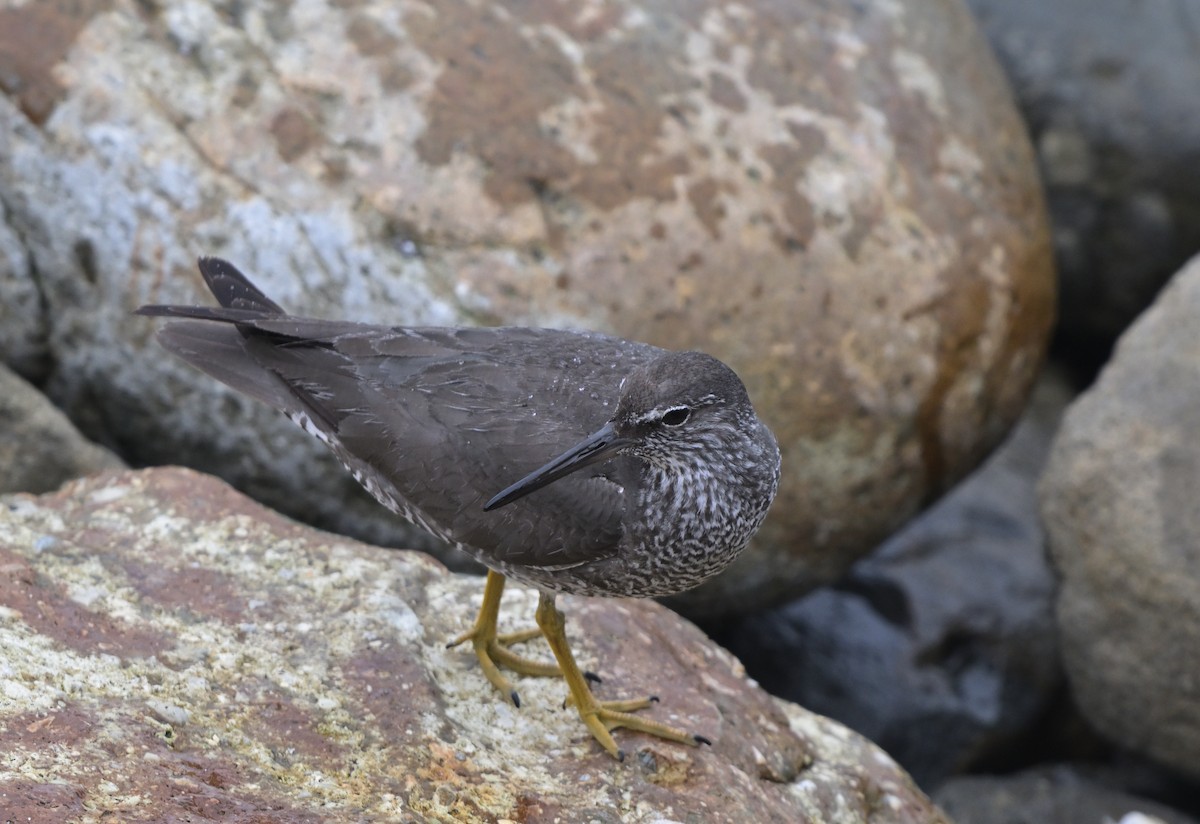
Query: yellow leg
[(600, 716), (492, 649)]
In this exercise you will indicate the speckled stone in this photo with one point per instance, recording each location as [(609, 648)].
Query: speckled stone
[(168, 648), (836, 199)]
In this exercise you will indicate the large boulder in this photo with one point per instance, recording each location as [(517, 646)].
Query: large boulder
[(1121, 506), (171, 650), (837, 199)]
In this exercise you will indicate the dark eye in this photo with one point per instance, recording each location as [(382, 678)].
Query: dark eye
[(676, 416)]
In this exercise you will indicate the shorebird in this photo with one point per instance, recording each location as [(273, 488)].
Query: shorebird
[(573, 462)]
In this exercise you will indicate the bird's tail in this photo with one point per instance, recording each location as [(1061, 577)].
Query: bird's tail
[(222, 349), (240, 299)]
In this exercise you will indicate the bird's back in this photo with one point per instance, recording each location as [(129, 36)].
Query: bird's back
[(435, 421)]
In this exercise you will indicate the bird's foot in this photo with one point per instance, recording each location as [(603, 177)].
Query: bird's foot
[(601, 717), (492, 648), (493, 652)]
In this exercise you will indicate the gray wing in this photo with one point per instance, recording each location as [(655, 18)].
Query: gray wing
[(435, 421)]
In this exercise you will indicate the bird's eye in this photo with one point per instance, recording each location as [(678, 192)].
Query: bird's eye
[(676, 416)]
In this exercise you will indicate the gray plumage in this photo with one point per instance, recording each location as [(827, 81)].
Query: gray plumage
[(434, 422)]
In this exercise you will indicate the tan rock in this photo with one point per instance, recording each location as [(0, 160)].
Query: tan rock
[(169, 648)]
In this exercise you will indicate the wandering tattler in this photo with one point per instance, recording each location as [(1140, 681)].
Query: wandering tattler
[(448, 427)]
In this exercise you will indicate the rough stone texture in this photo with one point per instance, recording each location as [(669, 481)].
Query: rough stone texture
[(169, 648), (941, 646), (1108, 88), (1052, 795), (837, 199), (1119, 499), (39, 447)]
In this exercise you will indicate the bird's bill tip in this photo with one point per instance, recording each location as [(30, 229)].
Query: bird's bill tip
[(602, 444)]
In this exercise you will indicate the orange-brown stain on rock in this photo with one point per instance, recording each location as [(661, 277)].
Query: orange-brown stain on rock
[(450, 785), (961, 314), (34, 38)]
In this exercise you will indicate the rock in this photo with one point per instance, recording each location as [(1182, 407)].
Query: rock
[(1108, 90), (23, 344), (1119, 499), (948, 627), (1048, 795), (39, 447), (837, 199), (169, 648)]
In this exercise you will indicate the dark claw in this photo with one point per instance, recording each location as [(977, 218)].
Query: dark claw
[(621, 756), (700, 739), (516, 699), (592, 677), (653, 699)]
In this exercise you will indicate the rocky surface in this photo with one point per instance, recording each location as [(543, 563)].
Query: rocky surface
[(1108, 89), (39, 448), (948, 627), (1119, 499), (1050, 795), (170, 649), (837, 199)]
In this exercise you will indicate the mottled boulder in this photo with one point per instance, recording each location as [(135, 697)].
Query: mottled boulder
[(837, 199), (1121, 507), (1049, 795), (1108, 88), (949, 626), (39, 447), (168, 648)]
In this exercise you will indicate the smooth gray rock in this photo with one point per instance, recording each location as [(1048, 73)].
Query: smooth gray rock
[(39, 448), (1048, 795), (1108, 88), (1121, 503)]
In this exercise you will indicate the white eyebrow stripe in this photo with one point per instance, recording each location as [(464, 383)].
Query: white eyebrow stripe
[(657, 412)]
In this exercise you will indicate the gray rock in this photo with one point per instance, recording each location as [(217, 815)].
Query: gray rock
[(839, 200), (1108, 88), (940, 646), (1048, 795), (171, 650), (39, 448), (1121, 506), (22, 323)]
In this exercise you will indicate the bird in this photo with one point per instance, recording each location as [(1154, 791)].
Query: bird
[(570, 461)]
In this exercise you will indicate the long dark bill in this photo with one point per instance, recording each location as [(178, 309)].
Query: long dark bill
[(600, 445)]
